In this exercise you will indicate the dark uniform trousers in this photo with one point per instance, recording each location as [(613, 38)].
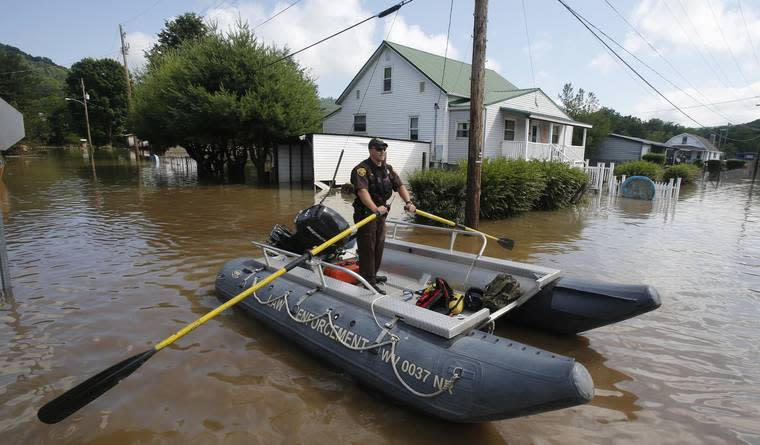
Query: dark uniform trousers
[(370, 242)]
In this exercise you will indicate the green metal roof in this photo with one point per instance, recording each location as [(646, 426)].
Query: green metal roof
[(492, 97), (457, 80)]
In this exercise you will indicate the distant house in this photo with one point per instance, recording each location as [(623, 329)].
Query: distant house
[(11, 125), (618, 148), (403, 93), (687, 147)]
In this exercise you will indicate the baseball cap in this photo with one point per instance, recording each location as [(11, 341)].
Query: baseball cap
[(377, 142)]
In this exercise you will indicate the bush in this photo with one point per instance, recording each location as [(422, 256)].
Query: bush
[(733, 164), (714, 165), (508, 187), (640, 168), (698, 162), (563, 185), (655, 158), (687, 173), (440, 191)]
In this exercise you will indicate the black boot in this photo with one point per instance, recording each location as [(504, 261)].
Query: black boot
[(381, 279), (378, 289)]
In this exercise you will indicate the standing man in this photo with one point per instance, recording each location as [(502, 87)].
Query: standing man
[(374, 182)]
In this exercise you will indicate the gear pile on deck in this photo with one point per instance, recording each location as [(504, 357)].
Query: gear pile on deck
[(441, 360)]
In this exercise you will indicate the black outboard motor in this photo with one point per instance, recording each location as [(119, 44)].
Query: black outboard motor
[(314, 226)]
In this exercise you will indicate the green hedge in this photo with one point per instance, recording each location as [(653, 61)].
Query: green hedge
[(640, 168), (699, 163), (733, 164), (714, 165), (655, 158), (687, 172), (508, 187)]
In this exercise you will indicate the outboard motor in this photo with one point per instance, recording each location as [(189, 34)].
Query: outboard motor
[(314, 226)]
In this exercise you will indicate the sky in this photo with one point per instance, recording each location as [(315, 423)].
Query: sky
[(702, 55)]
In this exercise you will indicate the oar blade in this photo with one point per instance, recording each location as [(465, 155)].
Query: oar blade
[(72, 400), (506, 243)]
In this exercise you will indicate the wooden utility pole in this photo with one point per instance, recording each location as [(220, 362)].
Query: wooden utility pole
[(124, 50), (477, 85), (87, 121)]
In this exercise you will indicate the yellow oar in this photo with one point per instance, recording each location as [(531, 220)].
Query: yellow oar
[(92, 388), (503, 242)]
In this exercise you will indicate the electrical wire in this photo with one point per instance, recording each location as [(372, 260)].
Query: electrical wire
[(143, 12), (583, 22), (749, 36), (445, 52), (705, 105), (725, 42), (530, 50), (278, 13)]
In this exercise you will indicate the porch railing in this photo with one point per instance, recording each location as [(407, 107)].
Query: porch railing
[(569, 154)]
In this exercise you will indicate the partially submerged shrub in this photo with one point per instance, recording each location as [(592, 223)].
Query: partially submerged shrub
[(714, 165), (509, 186), (563, 185), (688, 173), (640, 168), (439, 191), (655, 158), (698, 162), (733, 164)]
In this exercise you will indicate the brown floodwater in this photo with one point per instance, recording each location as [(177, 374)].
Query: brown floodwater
[(104, 269)]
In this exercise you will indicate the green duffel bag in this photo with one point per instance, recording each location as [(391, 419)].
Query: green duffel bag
[(501, 291)]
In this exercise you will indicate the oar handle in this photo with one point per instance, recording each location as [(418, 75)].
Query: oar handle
[(280, 272), (452, 223)]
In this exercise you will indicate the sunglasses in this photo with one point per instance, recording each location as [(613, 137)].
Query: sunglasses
[(379, 148)]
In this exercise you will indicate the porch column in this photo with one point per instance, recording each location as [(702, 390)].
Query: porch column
[(551, 132), (527, 131), (583, 144)]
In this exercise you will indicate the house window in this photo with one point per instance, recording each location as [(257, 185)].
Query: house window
[(387, 79), (555, 134), (414, 128), (422, 87), (357, 93), (509, 130), (683, 140), (463, 129), (360, 123), (534, 133)]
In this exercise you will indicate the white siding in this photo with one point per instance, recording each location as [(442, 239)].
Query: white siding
[(388, 113), (403, 156), (495, 130), (457, 147), (528, 102)]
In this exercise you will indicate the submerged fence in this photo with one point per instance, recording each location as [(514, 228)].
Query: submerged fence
[(662, 190)]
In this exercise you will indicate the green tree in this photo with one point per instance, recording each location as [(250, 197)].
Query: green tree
[(222, 99), (187, 27), (107, 105), (577, 104)]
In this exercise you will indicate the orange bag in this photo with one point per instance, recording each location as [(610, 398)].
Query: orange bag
[(341, 275)]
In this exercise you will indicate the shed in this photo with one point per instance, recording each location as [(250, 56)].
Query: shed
[(618, 148)]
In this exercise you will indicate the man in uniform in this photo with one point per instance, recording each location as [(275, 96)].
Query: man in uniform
[(374, 182)]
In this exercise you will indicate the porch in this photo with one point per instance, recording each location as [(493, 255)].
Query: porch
[(532, 136)]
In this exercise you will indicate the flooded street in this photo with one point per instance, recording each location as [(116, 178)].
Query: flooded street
[(104, 269)]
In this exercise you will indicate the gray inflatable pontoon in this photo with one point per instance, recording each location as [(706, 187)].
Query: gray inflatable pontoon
[(445, 366)]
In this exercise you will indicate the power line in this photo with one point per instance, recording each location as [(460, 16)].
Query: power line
[(749, 36), (445, 51), (143, 12), (583, 22), (530, 50), (278, 13), (380, 15), (733, 57), (705, 105)]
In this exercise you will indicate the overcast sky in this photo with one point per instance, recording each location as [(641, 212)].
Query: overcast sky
[(708, 48)]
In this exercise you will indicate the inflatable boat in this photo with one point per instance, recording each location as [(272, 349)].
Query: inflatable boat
[(451, 367)]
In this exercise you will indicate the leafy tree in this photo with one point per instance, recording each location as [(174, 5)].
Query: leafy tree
[(222, 98), (187, 27), (107, 105), (577, 104)]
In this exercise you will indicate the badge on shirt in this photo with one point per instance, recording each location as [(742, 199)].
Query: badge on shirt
[(361, 171)]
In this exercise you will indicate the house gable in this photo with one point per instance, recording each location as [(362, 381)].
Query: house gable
[(532, 101)]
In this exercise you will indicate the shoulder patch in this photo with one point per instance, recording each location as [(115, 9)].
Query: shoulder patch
[(361, 171)]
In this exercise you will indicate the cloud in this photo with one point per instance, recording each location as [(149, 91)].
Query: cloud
[(414, 36), (602, 62), (539, 47), (492, 64), (138, 42), (739, 105)]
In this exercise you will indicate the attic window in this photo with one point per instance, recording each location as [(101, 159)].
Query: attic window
[(683, 140), (422, 87), (357, 93), (360, 123), (387, 72)]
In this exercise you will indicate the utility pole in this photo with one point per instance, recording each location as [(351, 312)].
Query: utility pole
[(87, 120), (477, 85), (124, 50)]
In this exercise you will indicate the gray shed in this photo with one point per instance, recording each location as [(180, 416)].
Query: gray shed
[(618, 148)]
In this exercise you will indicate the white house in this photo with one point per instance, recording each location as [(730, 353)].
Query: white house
[(687, 147), (404, 93)]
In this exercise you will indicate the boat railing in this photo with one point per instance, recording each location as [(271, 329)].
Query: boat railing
[(454, 233), (266, 248)]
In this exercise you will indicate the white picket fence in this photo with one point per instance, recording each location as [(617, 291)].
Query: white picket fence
[(662, 190), (599, 175)]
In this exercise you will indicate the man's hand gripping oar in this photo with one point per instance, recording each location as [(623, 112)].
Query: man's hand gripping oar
[(503, 241), (72, 400)]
